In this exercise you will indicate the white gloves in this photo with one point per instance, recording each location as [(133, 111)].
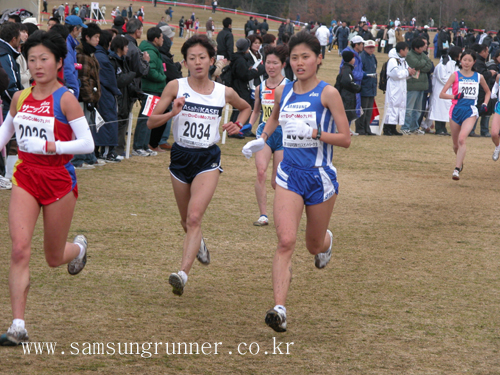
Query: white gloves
[(252, 147), (298, 128), (33, 145)]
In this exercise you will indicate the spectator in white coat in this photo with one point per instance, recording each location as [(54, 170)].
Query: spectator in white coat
[(398, 72), (439, 109), (323, 36)]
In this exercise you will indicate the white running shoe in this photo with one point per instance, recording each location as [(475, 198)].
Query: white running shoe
[(139, 152), (99, 163), (151, 152), (354, 133), (405, 132), (496, 153), (419, 132), (5, 183), (85, 166), (177, 284), (276, 320), (322, 259), (263, 220), (15, 336), (456, 175), (77, 264), (203, 253)]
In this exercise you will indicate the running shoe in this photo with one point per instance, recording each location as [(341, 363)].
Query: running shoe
[(5, 183), (140, 152), (99, 163), (496, 153), (418, 132), (151, 152), (77, 264), (15, 336), (263, 220), (456, 175), (112, 158), (85, 166), (177, 284), (276, 320), (203, 253), (322, 259), (406, 132)]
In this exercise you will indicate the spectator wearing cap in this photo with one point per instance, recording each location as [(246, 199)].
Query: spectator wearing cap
[(242, 73), (356, 47), (368, 88), (118, 23), (74, 25), (225, 39), (347, 87)]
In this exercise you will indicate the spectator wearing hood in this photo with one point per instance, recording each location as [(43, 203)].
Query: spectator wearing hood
[(357, 45), (118, 23)]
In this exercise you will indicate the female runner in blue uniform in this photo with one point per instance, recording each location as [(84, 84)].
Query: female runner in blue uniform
[(195, 157), (309, 111), (46, 118), (495, 124), (463, 112), (264, 99)]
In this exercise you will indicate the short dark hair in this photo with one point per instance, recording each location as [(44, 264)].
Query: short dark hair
[(227, 21), (15, 17), (105, 39), (202, 40), (268, 38), (91, 30), (133, 25), (61, 29), (417, 43), (400, 46), (478, 48), (56, 20), (470, 52), (153, 33), (52, 40), (10, 31), (455, 52), (31, 28), (118, 43), (281, 52), (285, 38), (303, 37)]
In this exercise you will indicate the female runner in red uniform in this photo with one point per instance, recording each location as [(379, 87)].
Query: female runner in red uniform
[(46, 119)]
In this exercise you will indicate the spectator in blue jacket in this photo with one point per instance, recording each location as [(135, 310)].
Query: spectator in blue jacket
[(368, 88), (74, 25), (106, 139), (342, 37), (357, 45), (10, 39)]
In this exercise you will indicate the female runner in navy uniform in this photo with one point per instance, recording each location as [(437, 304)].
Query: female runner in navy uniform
[(46, 118), (195, 157), (309, 110), (463, 112)]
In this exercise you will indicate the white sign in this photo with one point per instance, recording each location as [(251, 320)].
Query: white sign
[(94, 6)]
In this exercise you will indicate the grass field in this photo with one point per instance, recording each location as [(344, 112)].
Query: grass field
[(412, 287)]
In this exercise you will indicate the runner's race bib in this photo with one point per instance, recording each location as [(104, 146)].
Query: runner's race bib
[(292, 141), (30, 125), (198, 129), (470, 88)]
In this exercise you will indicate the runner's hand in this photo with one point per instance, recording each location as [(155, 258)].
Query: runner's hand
[(33, 145), (459, 96), (483, 109), (252, 147), (298, 128)]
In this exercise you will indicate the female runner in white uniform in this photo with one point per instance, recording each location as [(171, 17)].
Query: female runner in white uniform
[(195, 156), (309, 110)]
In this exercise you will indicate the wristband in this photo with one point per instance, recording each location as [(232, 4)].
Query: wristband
[(238, 124), (318, 135)]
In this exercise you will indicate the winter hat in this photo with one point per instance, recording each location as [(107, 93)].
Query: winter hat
[(242, 44), (347, 56)]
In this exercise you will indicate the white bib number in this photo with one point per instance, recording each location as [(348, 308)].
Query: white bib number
[(29, 125), (470, 89), (198, 129), (292, 141)]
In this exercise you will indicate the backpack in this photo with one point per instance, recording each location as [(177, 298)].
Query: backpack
[(226, 75), (382, 82)]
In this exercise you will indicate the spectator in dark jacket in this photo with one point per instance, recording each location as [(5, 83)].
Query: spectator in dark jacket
[(249, 26), (225, 39), (10, 36), (118, 23), (263, 27), (368, 88), (137, 60), (124, 80), (242, 73), (489, 75), (4, 79), (346, 85), (106, 139)]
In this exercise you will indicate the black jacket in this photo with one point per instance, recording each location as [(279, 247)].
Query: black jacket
[(481, 68), (242, 74), (348, 90), (8, 58), (225, 43), (125, 82)]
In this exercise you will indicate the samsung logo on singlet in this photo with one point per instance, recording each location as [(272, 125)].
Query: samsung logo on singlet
[(469, 80), (198, 108), (297, 106)]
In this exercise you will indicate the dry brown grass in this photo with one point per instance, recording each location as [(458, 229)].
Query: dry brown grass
[(412, 288)]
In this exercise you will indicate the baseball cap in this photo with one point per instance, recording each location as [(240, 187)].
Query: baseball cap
[(357, 39), (75, 21), (167, 31), (242, 44), (370, 43)]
